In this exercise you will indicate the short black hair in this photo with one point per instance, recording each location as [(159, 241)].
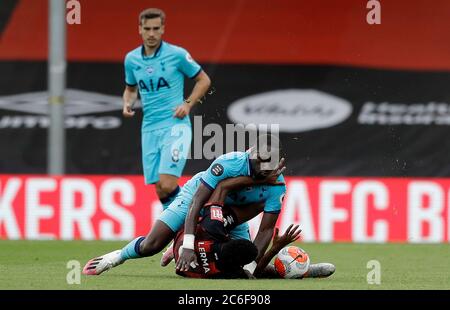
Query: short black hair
[(152, 13), (234, 254)]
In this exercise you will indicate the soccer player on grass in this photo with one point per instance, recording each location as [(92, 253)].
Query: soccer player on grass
[(156, 70), (218, 255), (223, 258), (263, 168)]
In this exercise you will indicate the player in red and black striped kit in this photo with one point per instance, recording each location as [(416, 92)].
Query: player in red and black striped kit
[(221, 257), (217, 255)]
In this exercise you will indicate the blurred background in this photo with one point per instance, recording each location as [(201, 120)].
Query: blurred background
[(363, 109)]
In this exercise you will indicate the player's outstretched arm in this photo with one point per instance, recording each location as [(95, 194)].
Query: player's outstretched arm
[(291, 234), (129, 98), (188, 257)]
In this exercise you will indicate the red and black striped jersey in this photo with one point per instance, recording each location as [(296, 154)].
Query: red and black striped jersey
[(206, 255)]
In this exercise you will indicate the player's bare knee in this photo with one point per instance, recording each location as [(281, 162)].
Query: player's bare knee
[(159, 191), (167, 188)]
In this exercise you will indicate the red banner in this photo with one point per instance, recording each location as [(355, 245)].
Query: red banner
[(328, 209), (411, 34)]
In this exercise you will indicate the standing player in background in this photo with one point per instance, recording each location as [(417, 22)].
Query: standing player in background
[(156, 70)]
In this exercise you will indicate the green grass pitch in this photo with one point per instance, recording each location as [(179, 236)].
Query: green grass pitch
[(43, 265)]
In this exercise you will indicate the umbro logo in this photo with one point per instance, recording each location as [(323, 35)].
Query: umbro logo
[(77, 102)]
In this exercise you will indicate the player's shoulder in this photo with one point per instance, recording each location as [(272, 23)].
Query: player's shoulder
[(175, 49), (229, 164), (233, 156), (280, 188), (133, 54), (281, 179), (232, 159)]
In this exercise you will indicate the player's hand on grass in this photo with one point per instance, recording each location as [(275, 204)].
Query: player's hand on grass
[(273, 176), (291, 234), (128, 110), (182, 110), (187, 259)]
